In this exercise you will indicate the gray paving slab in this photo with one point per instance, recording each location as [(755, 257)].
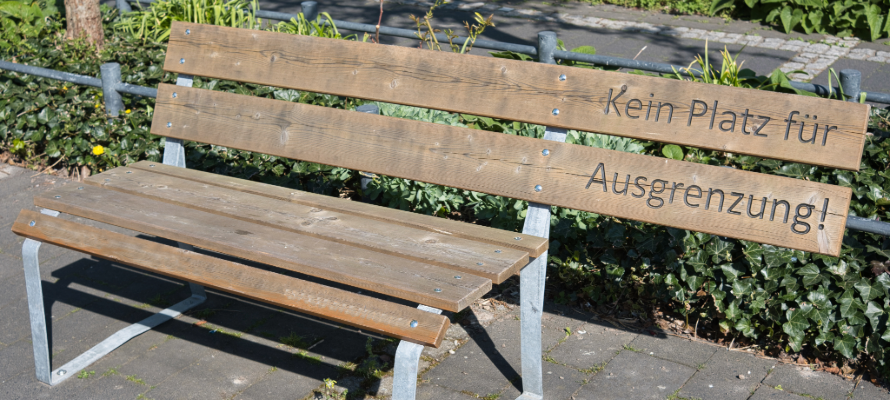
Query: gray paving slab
[(480, 367), (765, 392), (728, 375), (280, 384), (434, 392), (560, 382), (869, 391), (216, 375), (803, 380), (17, 358), (632, 375), (674, 349), (596, 345), (157, 364)]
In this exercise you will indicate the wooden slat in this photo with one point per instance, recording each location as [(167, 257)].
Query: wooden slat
[(351, 309), (465, 256), (500, 238), (370, 270), (529, 92), (510, 166)]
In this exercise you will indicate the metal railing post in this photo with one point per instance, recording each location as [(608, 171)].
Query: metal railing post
[(123, 6), (850, 81), (111, 77), (309, 10)]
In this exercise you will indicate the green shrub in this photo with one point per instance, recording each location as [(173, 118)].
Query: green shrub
[(867, 19), (20, 21)]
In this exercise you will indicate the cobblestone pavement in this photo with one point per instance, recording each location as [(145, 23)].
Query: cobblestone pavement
[(233, 348)]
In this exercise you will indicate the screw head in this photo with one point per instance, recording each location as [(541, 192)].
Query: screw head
[(80, 188), (437, 290), (62, 372), (129, 172), (518, 238), (182, 61), (58, 197), (107, 179), (545, 152), (32, 223), (497, 251), (152, 165), (538, 188), (555, 111), (479, 263), (174, 95), (169, 124), (188, 31), (562, 77), (414, 323), (457, 277)]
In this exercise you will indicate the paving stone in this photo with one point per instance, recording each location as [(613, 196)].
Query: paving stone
[(470, 6), (489, 361), (790, 47), (818, 48), (858, 56), (765, 392), (597, 345), (381, 387), (171, 356), (17, 359), (885, 54), (720, 376), (434, 392), (560, 382), (867, 390), (218, 374), (116, 387), (877, 59), (793, 65), (674, 349), (632, 375), (803, 380)]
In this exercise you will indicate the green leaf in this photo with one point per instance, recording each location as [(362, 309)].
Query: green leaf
[(732, 310), (743, 287), (730, 272), (584, 50), (810, 274), (796, 325), (824, 337), (719, 5), (787, 18), (868, 289), (846, 345), (672, 151), (873, 312)]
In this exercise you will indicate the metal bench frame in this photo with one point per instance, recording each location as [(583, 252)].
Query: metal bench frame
[(407, 358)]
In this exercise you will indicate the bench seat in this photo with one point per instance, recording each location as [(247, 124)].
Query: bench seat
[(431, 261)]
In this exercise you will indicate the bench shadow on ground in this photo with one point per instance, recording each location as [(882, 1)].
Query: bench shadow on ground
[(245, 329), (251, 330)]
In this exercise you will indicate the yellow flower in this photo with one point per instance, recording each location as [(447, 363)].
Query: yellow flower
[(97, 105), (64, 87), (127, 112), (98, 150)]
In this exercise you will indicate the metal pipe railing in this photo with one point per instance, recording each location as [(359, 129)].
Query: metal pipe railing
[(109, 79)]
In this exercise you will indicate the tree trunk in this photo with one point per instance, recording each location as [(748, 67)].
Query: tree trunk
[(85, 20)]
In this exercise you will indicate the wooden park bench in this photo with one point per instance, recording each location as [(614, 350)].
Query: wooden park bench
[(437, 263)]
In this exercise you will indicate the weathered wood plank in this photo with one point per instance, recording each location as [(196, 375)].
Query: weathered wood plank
[(351, 309), (570, 176), (745, 121), (458, 254), (353, 266), (532, 245)]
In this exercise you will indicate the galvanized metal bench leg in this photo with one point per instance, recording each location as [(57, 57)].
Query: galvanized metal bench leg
[(531, 293), (404, 382), (37, 315)]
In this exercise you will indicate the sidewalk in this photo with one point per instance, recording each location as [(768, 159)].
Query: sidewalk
[(234, 348)]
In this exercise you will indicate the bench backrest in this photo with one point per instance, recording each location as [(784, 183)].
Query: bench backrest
[(763, 208)]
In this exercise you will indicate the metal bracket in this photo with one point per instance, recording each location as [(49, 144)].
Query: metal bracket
[(531, 293), (404, 382), (38, 322)]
